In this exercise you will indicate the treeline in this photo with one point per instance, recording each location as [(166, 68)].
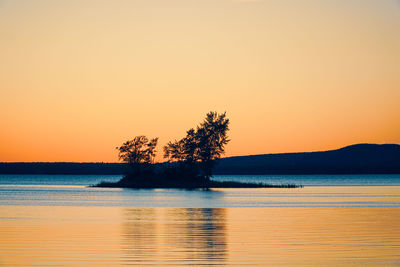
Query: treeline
[(62, 168), (356, 159)]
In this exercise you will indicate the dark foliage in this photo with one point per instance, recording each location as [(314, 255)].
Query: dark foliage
[(191, 159), (139, 154), (199, 150)]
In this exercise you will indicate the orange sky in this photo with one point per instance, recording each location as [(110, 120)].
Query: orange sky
[(78, 78)]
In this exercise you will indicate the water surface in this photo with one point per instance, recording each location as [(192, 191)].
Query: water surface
[(59, 221)]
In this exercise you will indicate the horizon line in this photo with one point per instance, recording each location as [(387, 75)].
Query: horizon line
[(247, 155)]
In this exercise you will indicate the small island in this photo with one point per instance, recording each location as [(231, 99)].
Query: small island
[(190, 160)]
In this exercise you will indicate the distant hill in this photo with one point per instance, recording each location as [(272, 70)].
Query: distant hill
[(354, 159)]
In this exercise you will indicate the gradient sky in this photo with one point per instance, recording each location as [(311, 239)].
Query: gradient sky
[(78, 78)]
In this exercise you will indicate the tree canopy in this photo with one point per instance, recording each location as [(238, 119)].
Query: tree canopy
[(139, 150), (201, 148), (195, 154)]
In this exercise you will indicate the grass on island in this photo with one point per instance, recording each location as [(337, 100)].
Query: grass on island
[(192, 183)]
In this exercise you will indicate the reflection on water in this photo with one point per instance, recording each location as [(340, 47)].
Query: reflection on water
[(318, 196), (139, 235), (112, 236), (306, 180), (174, 236), (61, 224)]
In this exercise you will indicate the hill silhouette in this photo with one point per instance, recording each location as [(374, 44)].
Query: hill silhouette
[(354, 159)]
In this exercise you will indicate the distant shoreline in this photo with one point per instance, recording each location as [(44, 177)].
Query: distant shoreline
[(355, 159)]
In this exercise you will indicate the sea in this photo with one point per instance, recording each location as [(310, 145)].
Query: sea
[(333, 220)]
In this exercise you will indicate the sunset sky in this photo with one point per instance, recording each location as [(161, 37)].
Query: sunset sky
[(78, 78)]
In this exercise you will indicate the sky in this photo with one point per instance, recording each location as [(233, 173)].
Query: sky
[(78, 78)]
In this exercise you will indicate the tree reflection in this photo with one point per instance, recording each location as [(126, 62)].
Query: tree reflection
[(139, 239), (175, 235)]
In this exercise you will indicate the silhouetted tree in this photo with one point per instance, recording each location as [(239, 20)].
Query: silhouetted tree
[(190, 147), (138, 152), (212, 136), (184, 150), (201, 148), (173, 151)]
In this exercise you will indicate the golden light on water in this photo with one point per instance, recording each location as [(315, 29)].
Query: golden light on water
[(107, 236)]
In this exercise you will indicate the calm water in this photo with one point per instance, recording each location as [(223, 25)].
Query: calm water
[(334, 220)]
